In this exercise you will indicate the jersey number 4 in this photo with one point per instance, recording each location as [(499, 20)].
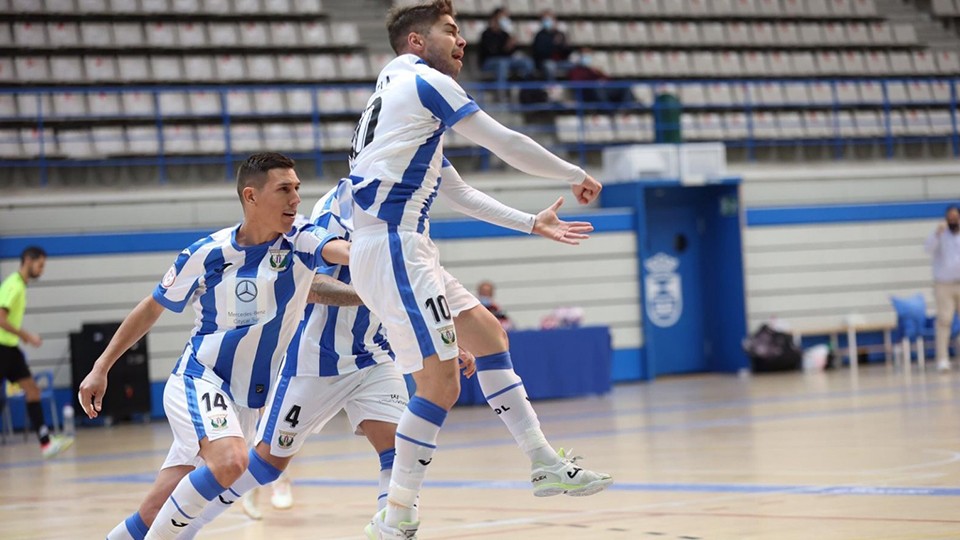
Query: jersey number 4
[(293, 417), (366, 127)]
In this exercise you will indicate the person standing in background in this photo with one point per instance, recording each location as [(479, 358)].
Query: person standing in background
[(943, 245), (13, 363)]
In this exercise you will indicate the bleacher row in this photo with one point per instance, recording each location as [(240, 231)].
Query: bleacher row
[(819, 9), (946, 8), (30, 36), (169, 68), (760, 126), (164, 7), (713, 35)]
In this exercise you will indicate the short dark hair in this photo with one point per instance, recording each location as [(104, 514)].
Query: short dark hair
[(33, 253), (497, 12), (253, 171), (951, 208), (416, 18)]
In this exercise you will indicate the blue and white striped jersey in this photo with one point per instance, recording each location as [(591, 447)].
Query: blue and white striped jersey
[(398, 144), (248, 302), (335, 340)]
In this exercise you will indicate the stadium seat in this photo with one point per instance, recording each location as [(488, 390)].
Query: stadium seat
[(142, 140), (154, 6), (853, 63), (133, 68), (314, 34), (166, 68), (755, 63), (223, 34), (173, 104), (277, 6), (696, 8), (648, 7), (108, 141), (677, 63), (75, 143), (642, 94), (100, 68), (898, 124), (877, 63), (598, 129), (712, 33), (69, 104), (841, 8), (211, 139), (89, 6), (6, 36), (897, 92), (245, 138), (624, 64), (138, 104), (93, 34), (471, 29), (190, 34), (858, 34), (622, 8), (815, 8), (526, 30), (279, 137), (357, 98), (704, 64), (763, 34), (179, 139), (652, 64), (204, 103), (185, 6), (128, 35), (818, 124), (230, 67), (901, 63), (322, 67), (865, 8), (871, 92), (729, 64), (765, 126), (261, 67), (779, 63), (633, 128), (719, 94), (661, 33), (568, 128), (904, 34), (846, 124), (738, 33), (199, 68), (686, 34), (67, 68), (940, 122), (353, 66), (803, 63), (104, 104), (943, 8), (254, 34), (811, 34), (940, 91), (796, 93), (582, 33), (711, 126), (636, 33), (34, 140), (161, 34), (769, 93), (769, 8), (378, 61), (331, 100), (869, 124), (821, 93), (881, 33), (948, 62), (722, 8), (239, 103), (311, 7), (337, 136), (284, 34), (692, 95), (735, 125), (924, 63), (791, 125), (63, 34), (250, 7), (10, 144), (29, 34), (919, 92), (344, 34), (7, 73), (828, 63), (847, 92), (292, 67), (793, 8), (268, 102), (745, 8), (304, 137), (833, 34), (918, 122)]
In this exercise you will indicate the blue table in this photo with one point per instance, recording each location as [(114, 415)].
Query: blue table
[(555, 364)]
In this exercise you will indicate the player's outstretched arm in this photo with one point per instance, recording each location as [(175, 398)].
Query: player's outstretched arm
[(134, 327), (329, 291), (525, 154), (474, 203), (549, 225)]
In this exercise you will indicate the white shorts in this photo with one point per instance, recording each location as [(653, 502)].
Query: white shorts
[(196, 409), (299, 406), (399, 277)]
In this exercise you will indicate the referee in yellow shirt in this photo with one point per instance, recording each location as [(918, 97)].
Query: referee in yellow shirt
[(13, 364)]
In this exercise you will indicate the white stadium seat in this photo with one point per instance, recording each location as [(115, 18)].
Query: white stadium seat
[(261, 67), (69, 104), (712, 33), (199, 68), (268, 102), (871, 92), (738, 33), (185, 6), (661, 33), (211, 139), (765, 125), (173, 104), (686, 34), (223, 34), (314, 34), (816, 8), (204, 103), (142, 140), (652, 64), (636, 33), (848, 93), (693, 95), (853, 63), (239, 102), (796, 93), (791, 125), (246, 6), (940, 91), (625, 64), (755, 63), (230, 67), (858, 34), (793, 8), (313, 7), (897, 92), (940, 122), (179, 139), (722, 8), (108, 141), (7, 73), (304, 137), (818, 124), (919, 92), (846, 124), (254, 34), (833, 33), (867, 8), (729, 64), (769, 93), (299, 101), (277, 6), (703, 64), (841, 8), (245, 138), (745, 8), (133, 68), (292, 67), (821, 93), (881, 33), (29, 34), (321, 67), (331, 100), (190, 34), (677, 63), (344, 34), (160, 34), (877, 62), (810, 34), (357, 98), (924, 62), (278, 137), (353, 66), (918, 122), (138, 104), (869, 124), (648, 7), (779, 63), (128, 35), (104, 104), (763, 34), (89, 6), (948, 62), (904, 34), (582, 33), (100, 68), (828, 63), (96, 34), (75, 143), (804, 63), (284, 34), (67, 68), (63, 34), (719, 94), (166, 68), (154, 6), (31, 140), (901, 63), (735, 125), (337, 135)]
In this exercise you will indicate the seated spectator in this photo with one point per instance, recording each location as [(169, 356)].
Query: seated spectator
[(498, 52), (551, 54), (485, 295), (584, 71)]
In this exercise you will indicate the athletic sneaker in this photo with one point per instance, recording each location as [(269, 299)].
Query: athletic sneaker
[(378, 530), (249, 504), (282, 497), (943, 365), (57, 444), (567, 477)]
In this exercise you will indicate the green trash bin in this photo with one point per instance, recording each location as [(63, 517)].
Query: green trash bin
[(666, 118)]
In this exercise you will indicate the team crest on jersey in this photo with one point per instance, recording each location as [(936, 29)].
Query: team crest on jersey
[(279, 259), (218, 421), (285, 439), (448, 335), (169, 277)]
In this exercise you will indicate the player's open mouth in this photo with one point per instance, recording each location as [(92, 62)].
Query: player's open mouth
[(290, 214)]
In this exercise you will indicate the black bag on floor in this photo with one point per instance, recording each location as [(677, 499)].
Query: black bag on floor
[(770, 350)]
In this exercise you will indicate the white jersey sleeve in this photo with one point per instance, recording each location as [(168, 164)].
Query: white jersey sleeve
[(308, 240), (474, 203), (443, 97), (183, 278)]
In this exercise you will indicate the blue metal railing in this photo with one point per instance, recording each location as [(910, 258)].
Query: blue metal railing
[(30, 132)]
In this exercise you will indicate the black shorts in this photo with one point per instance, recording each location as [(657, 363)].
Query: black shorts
[(13, 364)]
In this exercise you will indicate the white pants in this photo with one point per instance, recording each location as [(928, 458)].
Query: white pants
[(948, 301)]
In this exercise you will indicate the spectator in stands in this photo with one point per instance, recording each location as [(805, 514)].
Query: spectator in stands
[(583, 70), (943, 245), (551, 54), (498, 52), (485, 292)]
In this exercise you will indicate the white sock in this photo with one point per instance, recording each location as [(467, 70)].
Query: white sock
[(258, 470), (132, 528), (386, 469), (505, 394), (186, 502), (416, 442)]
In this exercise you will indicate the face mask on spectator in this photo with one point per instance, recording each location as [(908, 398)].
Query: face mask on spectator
[(506, 24), (586, 60), (548, 23)]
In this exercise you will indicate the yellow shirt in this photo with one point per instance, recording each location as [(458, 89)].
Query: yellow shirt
[(13, 298)]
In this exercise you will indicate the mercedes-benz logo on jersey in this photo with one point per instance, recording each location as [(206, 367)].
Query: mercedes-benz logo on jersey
[(246, 290)]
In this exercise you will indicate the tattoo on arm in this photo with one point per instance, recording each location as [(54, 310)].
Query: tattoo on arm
[(326, 290)]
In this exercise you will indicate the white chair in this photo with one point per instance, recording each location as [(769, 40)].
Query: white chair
[(358, 98), (314, 34), (292, 67), (877, 63), (848, 93), (378, 61), (869, 124), (353, 66), (794, 8), (284, 34), (769, 8), (142, 140), (63, 34), (278, 137), (304, 137), (93, 34), (940, 91), (755, 63), (821, 93), (10, 148), (211, 139), (661, 33), (166, 68), (7, 73), (735, 126), (223, 34), (652, 64), (313, 7), (897, 93), (779, 63), (36, 142), (6, 35), (179, 139), (924, 63), (261, 67), (858, 33), (601, 60), (833, 33), (729, 64), (816, 8), (246, 6), (199, 68), (711, 33), (828, 63), (128, 35), (811, 34), (693, 95), (89, 6), (138, 104), (599, 129), (866, 8), (791, 125), (622, 8), (133, 68), (881, 33), (918, 122), (154, 6), (677, 63), (904, 34), (764, 34), (919, 92), (636, 33), (32, 105), (745, 8), (841, 8), (898, 124), (331, 100), (322, 67), (173, 104), (471, 29), (277, 6), (204, 103), (254, 34), (582, 33), (624, 64), (104, 104), (160, 34), (719, 94), (948, 62), (185, 6), (29, 34), (722, 8), (871, 93), (819, 124), (190, 34), (299, 101), (704, 64), (738, 33), (853, 63), (695, 8), (796, 93), (268, 102), (108, 141), (940, 122), (337, 135), (901, 63), (67, 68), (100, 68), (75, 143), (344, 34), (629, 128), (765, 126), (846, 125), (770, 93), (686, 34), (567, 128), (69, 104), (239, 103), (230, 67), (787, 34), (673, 8)]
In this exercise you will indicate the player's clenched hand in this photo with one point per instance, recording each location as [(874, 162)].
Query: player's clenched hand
[(92, 388), (468, 363), (588, 190), (549, 225)]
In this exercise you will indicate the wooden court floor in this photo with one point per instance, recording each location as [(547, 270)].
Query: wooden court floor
[(829, 456)]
